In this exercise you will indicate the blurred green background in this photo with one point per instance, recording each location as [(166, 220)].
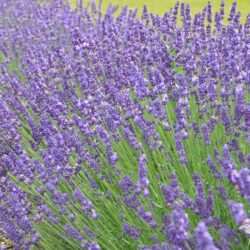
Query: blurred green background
[(161, 6)]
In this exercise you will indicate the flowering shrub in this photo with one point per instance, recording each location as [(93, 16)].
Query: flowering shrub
[(123, 133)]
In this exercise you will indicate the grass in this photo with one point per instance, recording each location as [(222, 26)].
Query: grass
[(161, 6)]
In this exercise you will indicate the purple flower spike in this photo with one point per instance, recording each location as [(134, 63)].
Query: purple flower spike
[(131, 231), (237, 211), (171, 192), (143, 182), (177, 229), (205, 133), (203, 238), (72, 232)]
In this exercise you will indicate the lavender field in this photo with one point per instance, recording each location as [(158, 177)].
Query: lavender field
[(122, 130)]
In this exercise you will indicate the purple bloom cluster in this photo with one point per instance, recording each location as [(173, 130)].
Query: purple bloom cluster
[(171, 192), (203, 238), (177, 228), (93, 105)]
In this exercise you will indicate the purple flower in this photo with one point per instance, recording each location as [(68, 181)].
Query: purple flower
[(214, 169), (203, 204), (147, 217), (171, 192), (94, 246), (177, 229), (225, 120), (203, 238), (226, 235), (237, 211), (131, 231), (72, 232), (222, 192), (205, 133), (143, 182), (87, 205), (127, 185)]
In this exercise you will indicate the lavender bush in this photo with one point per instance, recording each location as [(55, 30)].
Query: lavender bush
[(118, 132)]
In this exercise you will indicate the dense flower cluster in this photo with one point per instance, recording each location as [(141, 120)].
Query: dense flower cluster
[(119, 132)]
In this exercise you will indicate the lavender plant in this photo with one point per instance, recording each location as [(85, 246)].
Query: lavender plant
[(118, 132)]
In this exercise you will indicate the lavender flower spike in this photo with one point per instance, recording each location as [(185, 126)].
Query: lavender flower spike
[(203, 238)]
